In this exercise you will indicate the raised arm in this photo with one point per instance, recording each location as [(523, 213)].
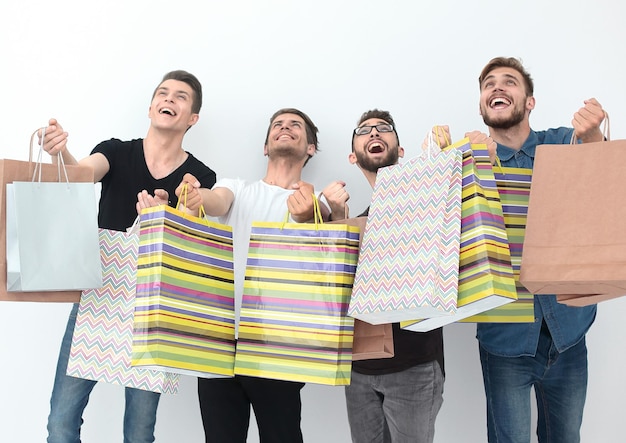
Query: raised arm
[(55, 143)]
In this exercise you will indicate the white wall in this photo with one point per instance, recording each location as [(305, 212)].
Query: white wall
[(94, 66)]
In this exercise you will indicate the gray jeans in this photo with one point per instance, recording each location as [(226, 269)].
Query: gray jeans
[(395, 408)]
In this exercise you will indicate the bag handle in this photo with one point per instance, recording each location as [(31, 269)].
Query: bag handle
[(432, 143), (317, 213), (39, 162), (606, 130), (183, 197)]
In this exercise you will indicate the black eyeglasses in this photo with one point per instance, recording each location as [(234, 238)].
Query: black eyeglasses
[(382, 127)]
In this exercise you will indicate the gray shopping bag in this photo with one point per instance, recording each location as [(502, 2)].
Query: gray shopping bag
[(52, 236)]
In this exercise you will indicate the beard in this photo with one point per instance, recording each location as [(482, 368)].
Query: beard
[(516, 117), (374, 164)]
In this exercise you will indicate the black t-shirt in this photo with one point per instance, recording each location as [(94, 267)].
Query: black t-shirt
[(128, 175), (410, 349)]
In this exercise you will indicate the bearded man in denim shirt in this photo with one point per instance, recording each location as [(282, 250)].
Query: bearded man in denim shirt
[(549, 354)]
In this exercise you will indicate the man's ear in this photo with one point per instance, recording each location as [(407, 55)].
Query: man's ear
[(193, 119), (352, 158), (265, 150), (310, 150), (400, 151)]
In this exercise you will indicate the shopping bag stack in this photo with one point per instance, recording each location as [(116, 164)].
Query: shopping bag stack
[(486, 277), (293, 323), (409, 262), (370, 341), (55, 262)]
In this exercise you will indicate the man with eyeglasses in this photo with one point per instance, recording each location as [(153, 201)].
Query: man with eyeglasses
[(390, 400)]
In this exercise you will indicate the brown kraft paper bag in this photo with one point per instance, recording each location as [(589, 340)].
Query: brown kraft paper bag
[(370, 341), (575, 244), (16, 170)]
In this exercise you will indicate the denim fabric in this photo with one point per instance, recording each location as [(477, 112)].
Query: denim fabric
[(395, 408), (549, 354), (568, 325), (70, 396), (225, 409), (560, 382)]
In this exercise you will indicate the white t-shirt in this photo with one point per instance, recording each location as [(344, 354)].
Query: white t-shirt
[(254, 201)]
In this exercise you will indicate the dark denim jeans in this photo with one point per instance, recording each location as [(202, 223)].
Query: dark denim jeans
[(560, 382), (70, 396), (395, 408)]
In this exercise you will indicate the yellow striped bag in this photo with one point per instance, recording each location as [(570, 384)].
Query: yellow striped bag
[(184, 313), (514, 188), (294, 324)]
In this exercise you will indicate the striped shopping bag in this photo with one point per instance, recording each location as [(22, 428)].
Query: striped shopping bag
[(294, 324), (514, 188), (184, 314), (103, 336), (486, 278)]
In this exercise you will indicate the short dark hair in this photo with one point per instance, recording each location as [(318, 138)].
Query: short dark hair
[(192, 81), (508, 62), (311, 129), (379, 114)]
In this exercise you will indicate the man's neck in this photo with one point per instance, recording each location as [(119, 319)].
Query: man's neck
[(283, 172), (162, 145), (513, 137), (163, 152)]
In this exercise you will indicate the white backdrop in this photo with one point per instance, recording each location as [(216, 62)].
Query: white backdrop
[(93, 66)]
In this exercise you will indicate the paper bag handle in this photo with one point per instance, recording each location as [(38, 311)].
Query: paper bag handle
[(431, 144), (183, 197), (317, 213), (39, 162)]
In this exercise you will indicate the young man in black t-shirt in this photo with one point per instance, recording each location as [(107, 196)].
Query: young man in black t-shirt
[(134, 174)]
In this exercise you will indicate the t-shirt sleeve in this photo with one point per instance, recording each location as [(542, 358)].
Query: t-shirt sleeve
[(233, 184)]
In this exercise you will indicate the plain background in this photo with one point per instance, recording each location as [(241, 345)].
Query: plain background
[(94, 66)]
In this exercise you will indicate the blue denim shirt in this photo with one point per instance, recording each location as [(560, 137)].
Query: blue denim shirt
[(567, 325)]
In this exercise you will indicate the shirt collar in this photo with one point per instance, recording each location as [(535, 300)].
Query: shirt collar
[(505, 153)]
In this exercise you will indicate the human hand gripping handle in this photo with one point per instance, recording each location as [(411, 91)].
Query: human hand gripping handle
[(587, 120), (54, 138), (438, 135), (300, 204), (480, 138), (188, 193)]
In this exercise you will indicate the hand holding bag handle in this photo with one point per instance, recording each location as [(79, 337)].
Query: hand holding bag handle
[(38, 261)]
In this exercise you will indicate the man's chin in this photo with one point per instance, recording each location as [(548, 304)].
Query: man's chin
[(503, 122)]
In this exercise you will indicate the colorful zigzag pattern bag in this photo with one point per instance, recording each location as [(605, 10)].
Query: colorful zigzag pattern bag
[(103, 335), (294, 324), (409, 262), (486, 278)]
